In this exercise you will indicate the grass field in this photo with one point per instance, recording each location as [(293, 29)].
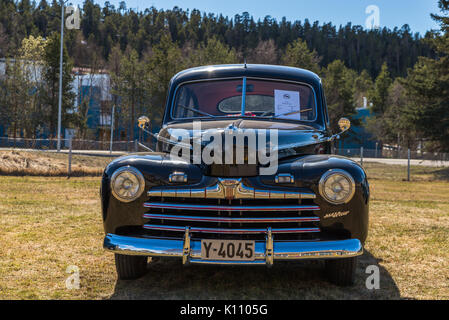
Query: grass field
[(50, 223)]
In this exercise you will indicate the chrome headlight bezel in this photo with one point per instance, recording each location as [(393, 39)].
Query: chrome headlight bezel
[(325, 177), (139, 178)]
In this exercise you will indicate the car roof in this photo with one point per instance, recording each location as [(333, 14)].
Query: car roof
[(248, 70)]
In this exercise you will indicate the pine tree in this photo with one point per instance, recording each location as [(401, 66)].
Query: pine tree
[(299, 55), (130, 84), (428, 86), (51, 79), (379, 95), (214, 52), (162, 63), (363, 85), (339, 93)]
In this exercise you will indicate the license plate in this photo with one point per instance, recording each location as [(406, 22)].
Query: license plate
[(227, 250)]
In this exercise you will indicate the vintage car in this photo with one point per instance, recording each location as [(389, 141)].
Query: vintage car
[(309, 205)]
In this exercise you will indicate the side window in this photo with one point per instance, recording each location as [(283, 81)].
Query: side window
[(185, 98), (326, 115)]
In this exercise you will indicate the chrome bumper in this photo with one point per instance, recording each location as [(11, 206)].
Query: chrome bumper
[(265, 251)]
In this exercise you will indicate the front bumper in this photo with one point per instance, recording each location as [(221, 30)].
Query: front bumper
[(265, 251)]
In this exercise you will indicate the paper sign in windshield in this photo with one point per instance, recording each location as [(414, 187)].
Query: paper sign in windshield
[(287, 104)]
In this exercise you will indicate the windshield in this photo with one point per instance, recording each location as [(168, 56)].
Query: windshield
[(244, 97)]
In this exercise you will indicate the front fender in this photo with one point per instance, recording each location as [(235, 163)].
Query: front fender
[(156, 168), (353, 216)]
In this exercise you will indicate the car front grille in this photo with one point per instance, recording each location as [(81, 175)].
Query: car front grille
[(245, 214)]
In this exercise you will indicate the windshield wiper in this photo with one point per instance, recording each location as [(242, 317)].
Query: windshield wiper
[(285, 114), (197, 111)]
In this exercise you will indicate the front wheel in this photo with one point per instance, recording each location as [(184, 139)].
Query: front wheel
[(130, 267), (341, 271)]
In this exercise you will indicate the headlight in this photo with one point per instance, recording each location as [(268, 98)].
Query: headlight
[(337, 186), (127, 184)]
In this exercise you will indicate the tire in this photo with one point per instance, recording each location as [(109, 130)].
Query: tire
[(341, 272), (130, 267)]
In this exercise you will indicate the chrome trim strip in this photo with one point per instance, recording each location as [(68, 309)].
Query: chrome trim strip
[(282, 250), (229, 220), (198, 207), (228, 262), (230, 231), (224, 189)]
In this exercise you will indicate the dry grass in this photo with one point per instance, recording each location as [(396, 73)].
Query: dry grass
[(49, 223), (22, 163)]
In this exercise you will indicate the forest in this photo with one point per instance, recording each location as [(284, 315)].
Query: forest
[(404, 75)]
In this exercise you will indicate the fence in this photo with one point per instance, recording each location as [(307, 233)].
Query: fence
[(392, 154), (91, 147), (77, 144), (401, 157), (133, 146)]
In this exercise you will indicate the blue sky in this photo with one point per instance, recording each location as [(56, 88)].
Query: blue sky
[(393, 13)]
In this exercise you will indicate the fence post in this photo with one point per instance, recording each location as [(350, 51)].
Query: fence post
[(408, 165), (375, 155), (361, 156), (136, 146), (112, 128), (69, 169)]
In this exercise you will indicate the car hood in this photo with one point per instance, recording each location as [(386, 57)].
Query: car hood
[(292, 137)]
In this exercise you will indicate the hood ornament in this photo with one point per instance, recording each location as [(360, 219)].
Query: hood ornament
[(231, 129)]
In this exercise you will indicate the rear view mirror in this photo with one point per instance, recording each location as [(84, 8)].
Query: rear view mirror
[(344, 124), (143, 122)]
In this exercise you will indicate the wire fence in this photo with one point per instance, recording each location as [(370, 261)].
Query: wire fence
[(76, 144), (392, 154), (110, 150), (135, 146)]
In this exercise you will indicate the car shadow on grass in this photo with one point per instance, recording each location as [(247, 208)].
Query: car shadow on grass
[(168, 279)]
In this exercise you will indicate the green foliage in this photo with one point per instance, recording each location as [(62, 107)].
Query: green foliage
[(109, 26), (379, 124), (379, 95), (20, 92), (145, 49), (130, 83), (339, 93), (394, 125), (164, 61), (299, 55), (214, 52), (363, 85), (428, 87), (13, 96), (51, 79)]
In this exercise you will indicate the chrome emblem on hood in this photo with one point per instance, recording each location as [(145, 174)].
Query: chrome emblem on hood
[(230, 187)]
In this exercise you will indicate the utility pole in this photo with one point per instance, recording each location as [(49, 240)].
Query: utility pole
[(60, 76)]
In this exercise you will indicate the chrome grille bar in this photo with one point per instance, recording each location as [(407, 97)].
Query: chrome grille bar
[(229, 220), (196, 207), (222, 191), (230, 231)]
